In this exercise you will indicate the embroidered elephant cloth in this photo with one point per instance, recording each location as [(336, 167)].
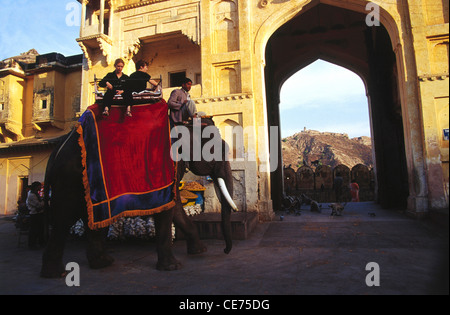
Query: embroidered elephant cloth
[(128, 170)]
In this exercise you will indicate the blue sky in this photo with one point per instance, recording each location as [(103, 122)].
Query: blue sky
[(321, 97), (38, 24)]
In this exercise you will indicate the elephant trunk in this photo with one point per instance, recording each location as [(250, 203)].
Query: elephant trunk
[(226, 212), (226, 194)]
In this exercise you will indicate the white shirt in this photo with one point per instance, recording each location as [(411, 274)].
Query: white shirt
[(34, 204)]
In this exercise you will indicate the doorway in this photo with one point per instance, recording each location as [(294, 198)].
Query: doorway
[(341, 36), (23, 188)]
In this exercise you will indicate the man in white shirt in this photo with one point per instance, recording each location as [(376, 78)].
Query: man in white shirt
[(36, 206)]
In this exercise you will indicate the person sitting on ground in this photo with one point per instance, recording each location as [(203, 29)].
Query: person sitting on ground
[(137, 81), (182, 108), (115, 84)]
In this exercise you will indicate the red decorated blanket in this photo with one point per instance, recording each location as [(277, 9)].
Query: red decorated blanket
[(128, 170)]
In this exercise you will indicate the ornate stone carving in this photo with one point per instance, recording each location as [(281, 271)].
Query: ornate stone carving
[(89, 44), (132, 49), (105, 48), (263, 3)]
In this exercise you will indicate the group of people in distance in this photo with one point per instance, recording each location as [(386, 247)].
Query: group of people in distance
[(117, 83), (338, 185)]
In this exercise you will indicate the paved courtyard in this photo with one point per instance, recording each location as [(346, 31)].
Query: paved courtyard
[(310, 254)]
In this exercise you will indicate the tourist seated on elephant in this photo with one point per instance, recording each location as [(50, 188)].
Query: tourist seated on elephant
[(137, 81), (115, 83)]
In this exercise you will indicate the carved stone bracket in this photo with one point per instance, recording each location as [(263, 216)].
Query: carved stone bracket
[(91, 43), (15, 128), (132, 49), (85, 53), (105, 46)]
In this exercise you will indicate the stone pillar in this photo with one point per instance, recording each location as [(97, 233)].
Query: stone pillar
[(417, 200), (101, 28), (110, 27), (432, 77), (83, 16)]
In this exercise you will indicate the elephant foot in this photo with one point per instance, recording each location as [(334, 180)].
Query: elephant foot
[(170, 265), (227, 250), (100, 262), (52, 271), (196, 249)]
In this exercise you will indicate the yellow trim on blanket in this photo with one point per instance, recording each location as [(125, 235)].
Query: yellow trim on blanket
[(87, 188)]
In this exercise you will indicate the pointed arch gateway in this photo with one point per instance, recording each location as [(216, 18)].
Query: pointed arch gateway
[(337, 32)]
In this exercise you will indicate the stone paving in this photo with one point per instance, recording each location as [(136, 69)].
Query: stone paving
[(310, 254)]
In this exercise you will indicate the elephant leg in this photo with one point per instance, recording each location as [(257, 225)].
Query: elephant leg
[(163, 227), (52, 264), (95, 251), (65, 211), (182, 222)]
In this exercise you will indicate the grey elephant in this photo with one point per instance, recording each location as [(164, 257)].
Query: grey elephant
[(67, 205)]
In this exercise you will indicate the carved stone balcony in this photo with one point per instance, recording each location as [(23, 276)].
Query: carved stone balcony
[(96, 25), (92, 43)]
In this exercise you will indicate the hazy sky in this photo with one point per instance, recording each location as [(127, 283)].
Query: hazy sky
[(321, 97), (324, 97)]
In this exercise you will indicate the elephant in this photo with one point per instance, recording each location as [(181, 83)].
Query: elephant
[(67, 205)]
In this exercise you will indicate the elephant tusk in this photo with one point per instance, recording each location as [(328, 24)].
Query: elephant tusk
[(226, 194)]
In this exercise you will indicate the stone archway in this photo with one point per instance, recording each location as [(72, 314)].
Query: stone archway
[(338, 33)]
